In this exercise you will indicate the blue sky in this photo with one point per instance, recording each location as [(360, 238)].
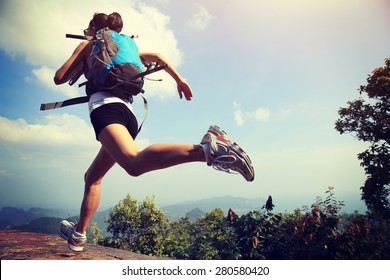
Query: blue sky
[(272, 74)]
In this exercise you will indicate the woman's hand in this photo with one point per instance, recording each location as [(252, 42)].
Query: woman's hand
[(184, 88)]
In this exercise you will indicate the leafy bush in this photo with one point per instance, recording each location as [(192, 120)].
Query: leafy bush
[(316, 232)]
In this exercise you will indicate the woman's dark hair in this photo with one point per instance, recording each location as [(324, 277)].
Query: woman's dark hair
[(99, 21), (114, 22)]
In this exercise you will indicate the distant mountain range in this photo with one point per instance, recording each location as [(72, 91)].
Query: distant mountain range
[(46, 220), (11, 216), (238, 204)]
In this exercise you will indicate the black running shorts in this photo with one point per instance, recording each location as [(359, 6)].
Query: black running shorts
[(114, 113)]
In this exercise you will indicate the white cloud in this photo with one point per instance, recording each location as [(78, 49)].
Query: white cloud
[(260, 114), (45, 76), (55, 131), (240, 116), (200, 20), (62, 129), (162, 89)]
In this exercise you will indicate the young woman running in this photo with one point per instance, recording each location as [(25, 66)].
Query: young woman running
[(116, 128)]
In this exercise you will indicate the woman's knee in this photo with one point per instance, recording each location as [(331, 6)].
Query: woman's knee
[(132, 169), (131, 164)]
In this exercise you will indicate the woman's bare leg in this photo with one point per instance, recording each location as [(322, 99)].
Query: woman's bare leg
[(121, 147), (93, 178), (118, 146)]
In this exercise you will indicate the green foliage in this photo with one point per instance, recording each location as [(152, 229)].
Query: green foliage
[(312, 234), (152, 230), (214, 239), (258, 235), (140, 227), (95, 234), (180, 238), (319, 233), (316, 232), (369, 119), (124, 223)]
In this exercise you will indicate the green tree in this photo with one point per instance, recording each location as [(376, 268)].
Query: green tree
[(180, 237), (124, 223), (152, 229), (214, 238), (316, 232), (96, 234), (313, 234), (258, 235), (369, 119), (320, 232), (139, 227)]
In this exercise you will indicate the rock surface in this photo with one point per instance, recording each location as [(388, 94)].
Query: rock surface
[(16, 245)]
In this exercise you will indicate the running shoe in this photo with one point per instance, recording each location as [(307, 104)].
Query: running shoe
[(226, 155), (68, 232)]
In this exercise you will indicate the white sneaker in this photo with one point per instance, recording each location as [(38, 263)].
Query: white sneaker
[(226, 155), (75, 240)]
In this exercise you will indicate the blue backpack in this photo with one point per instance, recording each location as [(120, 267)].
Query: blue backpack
[(114, 65)]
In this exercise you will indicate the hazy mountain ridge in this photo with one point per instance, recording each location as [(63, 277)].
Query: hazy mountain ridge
[(238, 204), (12, 216)]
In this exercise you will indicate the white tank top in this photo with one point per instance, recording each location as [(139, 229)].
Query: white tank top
[(101, 98)]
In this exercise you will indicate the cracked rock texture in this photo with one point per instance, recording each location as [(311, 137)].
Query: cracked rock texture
[(17, 245)]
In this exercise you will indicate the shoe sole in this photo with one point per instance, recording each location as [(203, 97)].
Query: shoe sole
[(222, 136), (246, 160), (75, 248)]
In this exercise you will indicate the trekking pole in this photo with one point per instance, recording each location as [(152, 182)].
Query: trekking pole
[(80, 37)]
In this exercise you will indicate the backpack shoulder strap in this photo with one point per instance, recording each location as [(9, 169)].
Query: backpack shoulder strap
[(68, 102), (145, 113)]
